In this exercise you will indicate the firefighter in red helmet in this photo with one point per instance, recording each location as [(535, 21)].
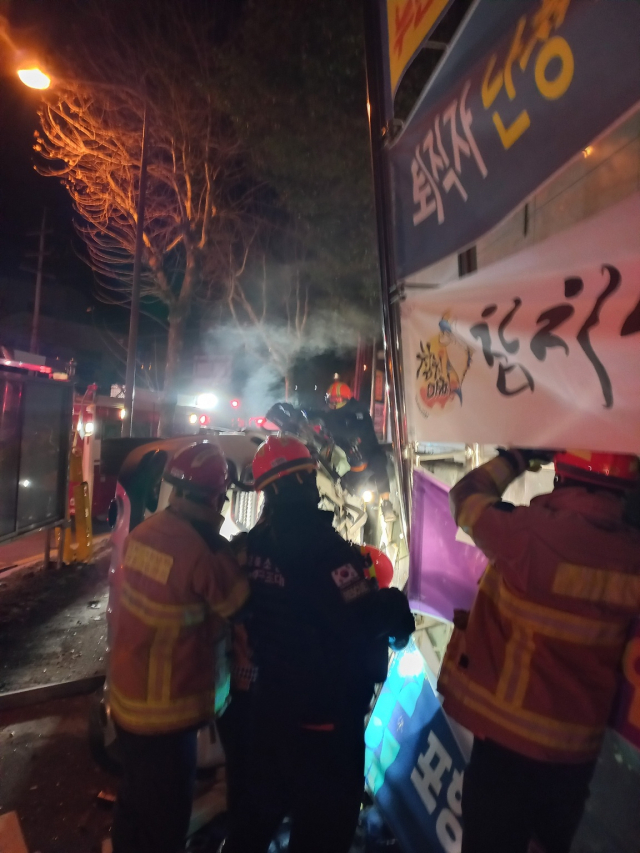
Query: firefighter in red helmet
[(167, 667), (532, 669), (319, 630), (350, 424)]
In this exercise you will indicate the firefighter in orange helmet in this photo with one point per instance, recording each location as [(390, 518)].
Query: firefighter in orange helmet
[(350, 424), (167, 667), (319, 631), (532, 669)]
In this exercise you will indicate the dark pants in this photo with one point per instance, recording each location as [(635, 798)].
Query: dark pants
[(508, 800), (154, 801), (233, 727), (314, 777)]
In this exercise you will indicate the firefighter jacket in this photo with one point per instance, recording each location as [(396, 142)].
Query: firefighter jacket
[(536, 667), (168, 668), (318, 628)]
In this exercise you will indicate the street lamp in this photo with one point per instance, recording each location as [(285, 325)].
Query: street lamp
[(35, 78)]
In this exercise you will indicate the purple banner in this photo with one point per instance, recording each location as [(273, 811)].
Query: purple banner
[(443, 573)]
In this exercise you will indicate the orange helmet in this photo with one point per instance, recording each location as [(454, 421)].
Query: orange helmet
[(381, 567), (199, 469), (610, 470), (279, 456), (337, 395)]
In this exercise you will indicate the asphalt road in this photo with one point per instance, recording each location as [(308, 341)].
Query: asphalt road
[(52, 624), (50, 779)]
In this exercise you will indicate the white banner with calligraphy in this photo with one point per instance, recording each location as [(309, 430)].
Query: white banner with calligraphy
[(541, 349)]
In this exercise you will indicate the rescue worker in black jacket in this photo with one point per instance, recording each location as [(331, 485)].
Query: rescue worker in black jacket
[(351, 427), (319, 630)]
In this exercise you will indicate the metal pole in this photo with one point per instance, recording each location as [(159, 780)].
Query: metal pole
[(378, 126), (134, 316), (33, 345)]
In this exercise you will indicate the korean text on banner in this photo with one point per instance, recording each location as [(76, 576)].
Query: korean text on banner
[(537, 350), (524, 88), (406, 24), (443, 572), (413, 766)]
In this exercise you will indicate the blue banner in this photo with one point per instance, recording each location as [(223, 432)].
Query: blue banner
[(413, 766), (526, 85)]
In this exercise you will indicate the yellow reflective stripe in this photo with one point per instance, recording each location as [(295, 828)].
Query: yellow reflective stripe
[(160, 664), (158, 615), (472, 508), (141, 713), (547, 621), (566, 737), (514, 677), (149, 562), (234, 601), (604, 585)]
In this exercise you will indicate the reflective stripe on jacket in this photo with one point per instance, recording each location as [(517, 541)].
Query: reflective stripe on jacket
[(168, 665), (536, 667)]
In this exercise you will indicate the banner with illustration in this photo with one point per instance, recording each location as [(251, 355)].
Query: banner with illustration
[(540, 349), (524, 87), (405, 26)]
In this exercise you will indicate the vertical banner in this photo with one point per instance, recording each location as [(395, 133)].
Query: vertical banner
[(443, 572), (525, 87), (413, 765), (405, 26)]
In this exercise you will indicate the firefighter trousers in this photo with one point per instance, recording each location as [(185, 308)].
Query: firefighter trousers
[(314, 777), (509, 800), (154, 800)]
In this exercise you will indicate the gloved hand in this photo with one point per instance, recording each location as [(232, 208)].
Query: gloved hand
[(533, 458), (400, 618), (536, 457)]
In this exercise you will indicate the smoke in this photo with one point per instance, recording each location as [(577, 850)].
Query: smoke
[(259, 358)]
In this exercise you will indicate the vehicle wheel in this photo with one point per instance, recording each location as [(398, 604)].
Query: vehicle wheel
[(103, 741)]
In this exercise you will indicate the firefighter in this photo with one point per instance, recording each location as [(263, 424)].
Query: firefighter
[(167, 667), (319, 631), (532, 669), (350, 424)]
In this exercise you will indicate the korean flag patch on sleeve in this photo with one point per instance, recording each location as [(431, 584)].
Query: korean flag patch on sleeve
[(345, 576)]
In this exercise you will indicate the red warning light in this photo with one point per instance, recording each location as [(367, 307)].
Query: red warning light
[(235, 404), (203, 420), (260, 421)]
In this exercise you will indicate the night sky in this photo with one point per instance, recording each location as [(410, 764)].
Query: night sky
[(24, 193)]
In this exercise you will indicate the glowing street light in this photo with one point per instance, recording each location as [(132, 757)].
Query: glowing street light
[(34, 78)]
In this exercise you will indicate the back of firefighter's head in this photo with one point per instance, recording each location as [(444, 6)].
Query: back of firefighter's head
[(285, 470), (616, 472), (199, 473), (337, 395)]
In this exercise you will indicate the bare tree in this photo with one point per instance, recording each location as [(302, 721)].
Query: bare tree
[(271, 312), (197, 196)]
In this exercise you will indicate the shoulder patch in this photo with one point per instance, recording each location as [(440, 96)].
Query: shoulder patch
[(149, 562), (345, 576)]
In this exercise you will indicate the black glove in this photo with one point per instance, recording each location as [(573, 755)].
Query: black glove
[(400, 621), (533, 457)]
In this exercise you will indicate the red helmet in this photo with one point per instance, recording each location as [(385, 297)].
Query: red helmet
[(200, 469), (337, 395), (611, 470), (279, 456), (381, 566)]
